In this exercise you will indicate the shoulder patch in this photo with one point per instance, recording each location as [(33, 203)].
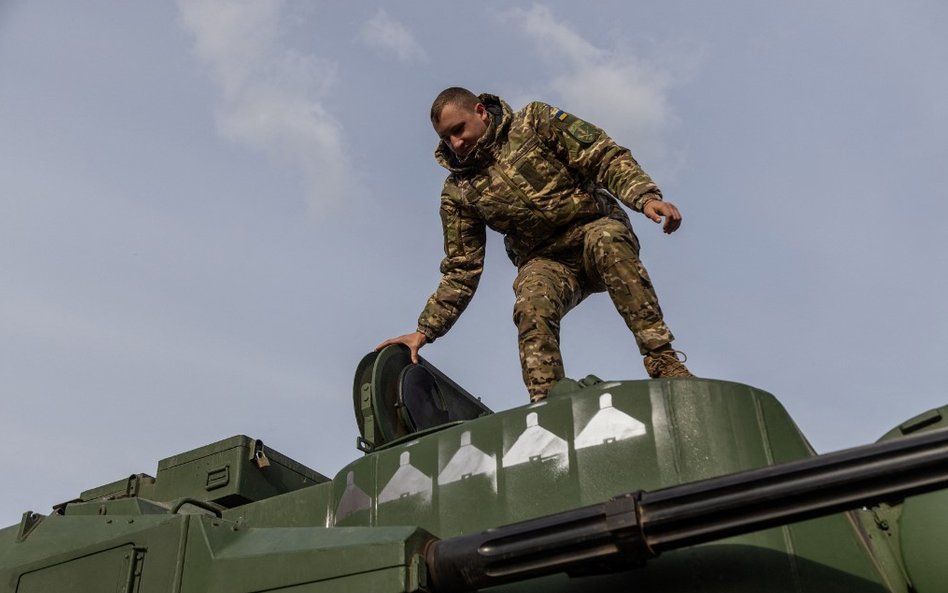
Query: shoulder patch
[(583, 131)]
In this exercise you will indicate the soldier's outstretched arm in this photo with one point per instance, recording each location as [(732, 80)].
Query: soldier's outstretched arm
[(464, 239), (656, 209), (414, 341), (587, 148)]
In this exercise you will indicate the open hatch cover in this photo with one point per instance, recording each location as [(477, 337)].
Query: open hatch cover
[(394, 398)]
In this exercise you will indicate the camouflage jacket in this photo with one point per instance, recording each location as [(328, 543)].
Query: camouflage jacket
[(533, 177)]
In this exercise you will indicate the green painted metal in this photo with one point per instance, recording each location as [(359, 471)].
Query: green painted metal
[(237, 516), (382, 413), (680, 431), (917, 528), (228, 472)]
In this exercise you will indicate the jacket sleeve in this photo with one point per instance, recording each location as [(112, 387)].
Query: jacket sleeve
[(590, 151), (464, 241)]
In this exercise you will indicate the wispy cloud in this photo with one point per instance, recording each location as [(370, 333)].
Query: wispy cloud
[(625, 94), (270, 94), (384, 33)]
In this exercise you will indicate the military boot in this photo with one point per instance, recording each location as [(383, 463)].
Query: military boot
[(664, 362)]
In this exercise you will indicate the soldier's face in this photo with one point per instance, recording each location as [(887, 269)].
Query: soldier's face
[(460, 127)]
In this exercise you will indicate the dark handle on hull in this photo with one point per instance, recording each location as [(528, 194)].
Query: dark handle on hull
[(629, 529)]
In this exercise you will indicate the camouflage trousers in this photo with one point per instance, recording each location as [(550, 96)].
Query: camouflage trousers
[(601, 256)]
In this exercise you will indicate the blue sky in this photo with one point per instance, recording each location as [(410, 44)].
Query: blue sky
[(211, 210)]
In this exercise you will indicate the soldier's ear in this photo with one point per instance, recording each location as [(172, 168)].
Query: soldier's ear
[(481, 110)]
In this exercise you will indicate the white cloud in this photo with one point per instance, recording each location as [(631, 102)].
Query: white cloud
[(384, 33), (625, 94), (270, 93)]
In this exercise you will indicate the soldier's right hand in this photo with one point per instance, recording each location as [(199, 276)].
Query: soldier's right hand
[(656, 209), (414, 341)]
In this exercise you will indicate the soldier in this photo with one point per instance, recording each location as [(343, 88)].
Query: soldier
[(548, 181)]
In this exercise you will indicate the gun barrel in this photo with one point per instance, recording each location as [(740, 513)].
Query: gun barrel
[(629, 529)]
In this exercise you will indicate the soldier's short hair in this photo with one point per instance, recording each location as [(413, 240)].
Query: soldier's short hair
[(454, 95)]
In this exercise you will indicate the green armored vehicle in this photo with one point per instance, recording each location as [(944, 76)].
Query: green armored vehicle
[(676, 486)]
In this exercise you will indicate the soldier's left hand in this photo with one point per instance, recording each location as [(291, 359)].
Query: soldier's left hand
[(656, 209)]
